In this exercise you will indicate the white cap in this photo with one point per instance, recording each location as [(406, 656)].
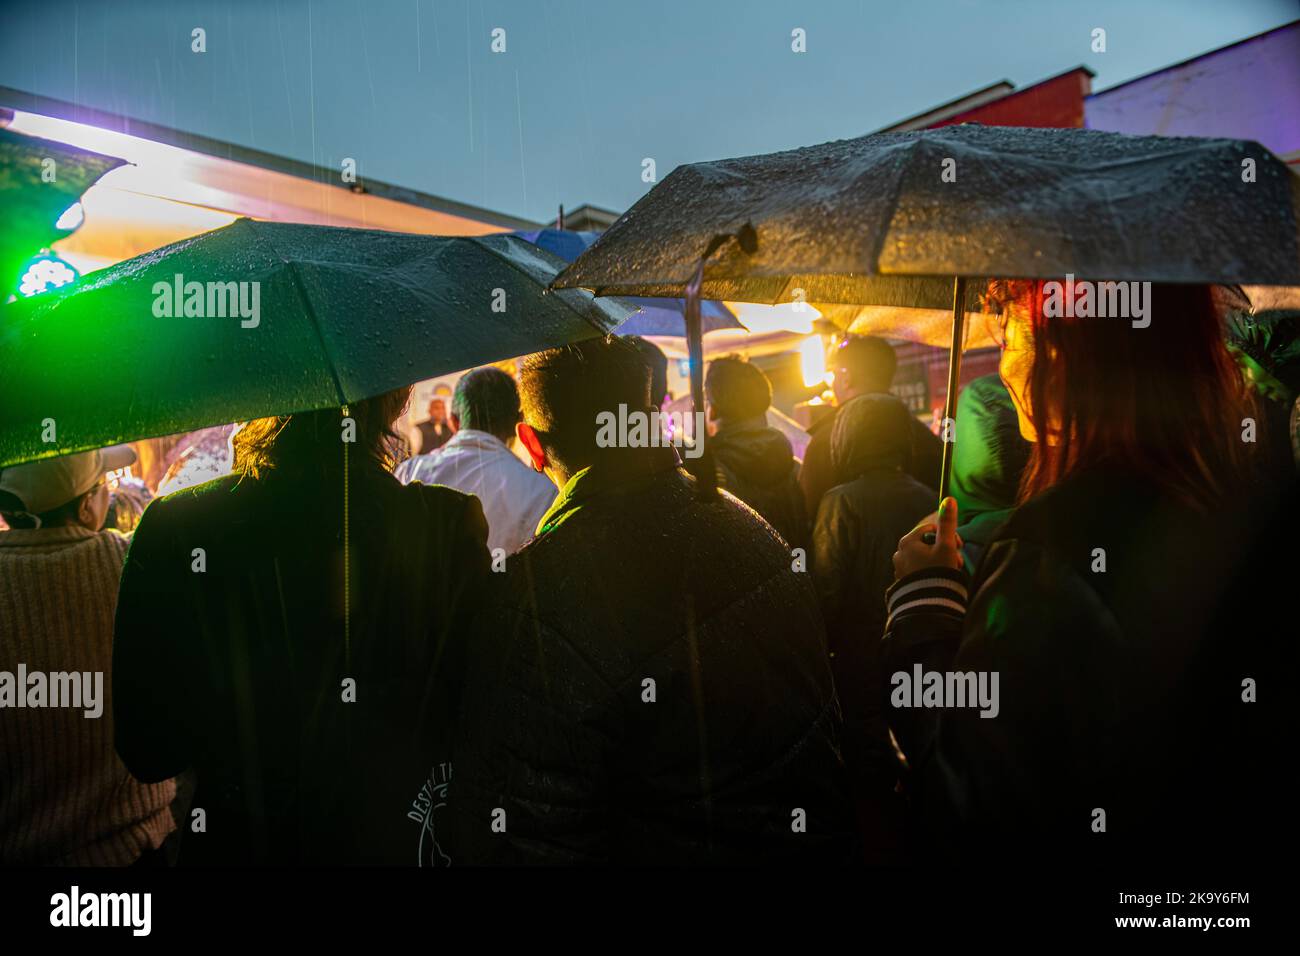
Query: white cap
[(44, 485)]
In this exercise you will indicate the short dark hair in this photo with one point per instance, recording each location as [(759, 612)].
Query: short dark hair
[(563, 390), (657, 362), (871, 361), (736, 389), (487, 400)]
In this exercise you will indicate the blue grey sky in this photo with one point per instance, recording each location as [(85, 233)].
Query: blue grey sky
[(586, 89)]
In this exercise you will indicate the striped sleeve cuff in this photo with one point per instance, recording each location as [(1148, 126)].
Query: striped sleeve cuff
[(932, 590)]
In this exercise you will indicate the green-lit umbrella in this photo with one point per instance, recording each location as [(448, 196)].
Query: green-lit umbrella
[(901, 220), (39, 180), (259, 319)]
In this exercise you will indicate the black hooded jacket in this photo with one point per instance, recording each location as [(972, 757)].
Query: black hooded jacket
[(756, 464), (858, 526)]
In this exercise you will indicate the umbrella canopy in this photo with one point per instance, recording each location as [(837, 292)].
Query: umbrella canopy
[(899, 221), (259, 319), (39, 180), (840, 221), (654, 316)]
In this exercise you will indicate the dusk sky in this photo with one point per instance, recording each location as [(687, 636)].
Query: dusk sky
[(586, 89)]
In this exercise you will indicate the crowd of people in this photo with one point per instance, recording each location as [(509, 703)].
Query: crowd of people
[(575, 655)]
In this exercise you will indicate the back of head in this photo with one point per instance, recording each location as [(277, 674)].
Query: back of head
[(563, 391), (736, 389), (1156, 395), (869, 361), (989, 455), (63, 490), (870, 432), (487, 400), (657, 362), (311, 442)]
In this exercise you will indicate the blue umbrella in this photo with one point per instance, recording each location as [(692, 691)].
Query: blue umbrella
[(657, 316)]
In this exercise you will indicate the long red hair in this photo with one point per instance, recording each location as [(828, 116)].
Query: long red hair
[(1165, 402)]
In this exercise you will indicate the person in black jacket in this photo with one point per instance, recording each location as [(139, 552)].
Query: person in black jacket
[(1100, 681), (292, 633), (862, 365), (657, 362), (435, 431), (858, 527), (755, 461), (651, 684)]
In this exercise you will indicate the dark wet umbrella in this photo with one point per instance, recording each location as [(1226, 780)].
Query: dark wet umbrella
[(259, 319), (653, 316), (901, 220), (39, 180)]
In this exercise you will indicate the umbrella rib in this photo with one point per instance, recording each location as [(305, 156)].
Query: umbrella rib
[(893, 203), (546, 289), (913, 147), (311, 314)]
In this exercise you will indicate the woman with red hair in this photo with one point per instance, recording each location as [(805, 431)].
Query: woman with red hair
[(1080, 696)]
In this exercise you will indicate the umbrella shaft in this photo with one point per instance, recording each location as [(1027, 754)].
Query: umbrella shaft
[(948, 430)]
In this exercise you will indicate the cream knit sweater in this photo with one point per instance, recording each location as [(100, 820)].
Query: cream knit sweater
[(65, 797)]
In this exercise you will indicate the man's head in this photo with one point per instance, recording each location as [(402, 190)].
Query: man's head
[(658, 364), (736, 391), (863, 365), (437, 410), (57, 492), (486, 400), (563, 390)]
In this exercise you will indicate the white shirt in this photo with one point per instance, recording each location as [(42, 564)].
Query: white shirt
[(514, 496)]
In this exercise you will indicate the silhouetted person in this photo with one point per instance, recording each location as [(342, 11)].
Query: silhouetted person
[(657, 362), (299, 649), (651, 685), (66, 799), (436, 430), (863, 365), (857, 530), (755, 461), (1099, 607)]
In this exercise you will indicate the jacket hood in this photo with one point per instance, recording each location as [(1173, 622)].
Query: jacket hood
[(871, 431), (758, 453), (990, 454)]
